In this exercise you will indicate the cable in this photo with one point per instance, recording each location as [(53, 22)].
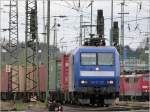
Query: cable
[(72, 8), (145, 18), (75, 5)]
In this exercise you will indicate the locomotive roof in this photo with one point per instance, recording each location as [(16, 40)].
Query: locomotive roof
[(134, 75), (93, 47), (96, 47)]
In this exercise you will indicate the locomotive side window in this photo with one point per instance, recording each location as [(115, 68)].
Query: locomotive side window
[(131, 80), (105, 59), (136, 79), (88, 58), (146, 78), (127, 80)]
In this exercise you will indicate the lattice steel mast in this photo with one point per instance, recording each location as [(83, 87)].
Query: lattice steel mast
[(12, 49), (31, 41)]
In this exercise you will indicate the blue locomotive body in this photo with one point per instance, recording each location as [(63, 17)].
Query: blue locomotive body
[(96, 71)]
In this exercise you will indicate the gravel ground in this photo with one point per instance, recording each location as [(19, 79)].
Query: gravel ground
[(40, 107), (19, 106), (5, 105)]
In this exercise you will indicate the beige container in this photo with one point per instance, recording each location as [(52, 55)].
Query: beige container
[(15, 78), (29, 82), (21, 79), (26, 84)]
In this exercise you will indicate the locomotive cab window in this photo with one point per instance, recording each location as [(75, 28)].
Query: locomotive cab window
[(88, 58), (105, 59), (146, 78), (127, 80)]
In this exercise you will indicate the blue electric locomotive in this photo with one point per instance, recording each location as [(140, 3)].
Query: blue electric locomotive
[(95, 75)]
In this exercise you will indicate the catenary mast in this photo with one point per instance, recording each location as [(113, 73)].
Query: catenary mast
[(31, 45), (12, 48)]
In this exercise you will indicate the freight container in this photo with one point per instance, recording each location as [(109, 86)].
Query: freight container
[(64, 72), (53, 78), (29, 80), (71, 78), (4, 79), (15, 78), (58, 72), (21, 78), (42, 78)]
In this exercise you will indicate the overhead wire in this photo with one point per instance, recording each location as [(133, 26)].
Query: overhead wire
[(72, 8), (136, 20), (86, 13), (75, 5)]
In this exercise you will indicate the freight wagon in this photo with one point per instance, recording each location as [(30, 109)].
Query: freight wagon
[(64, 76)]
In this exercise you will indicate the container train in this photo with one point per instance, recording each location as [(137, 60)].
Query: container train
[(88, 75), (137, 86)]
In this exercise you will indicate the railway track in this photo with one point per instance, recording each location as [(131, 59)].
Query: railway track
[(122, 107), (118, 108)]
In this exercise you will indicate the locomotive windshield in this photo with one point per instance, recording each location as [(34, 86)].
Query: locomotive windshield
[(97, 59), (88, 58), (105, 59)]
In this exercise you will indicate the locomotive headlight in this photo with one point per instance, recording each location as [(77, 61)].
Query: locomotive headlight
[(110, 82), (146, 91), (144, 87), (83, 82)]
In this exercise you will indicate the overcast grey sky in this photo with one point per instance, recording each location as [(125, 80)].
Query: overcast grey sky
[(69, 28)]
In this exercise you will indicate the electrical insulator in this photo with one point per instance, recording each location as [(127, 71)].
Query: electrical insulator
[(33, 24), (100, 23), (115, 33)]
